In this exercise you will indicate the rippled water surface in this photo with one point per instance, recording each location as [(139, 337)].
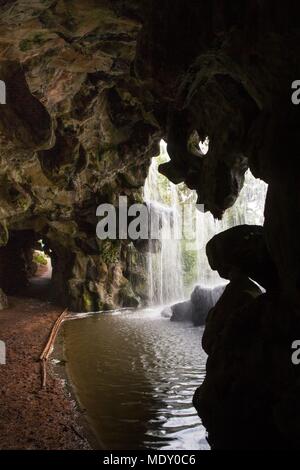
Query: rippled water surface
[(135, 374)]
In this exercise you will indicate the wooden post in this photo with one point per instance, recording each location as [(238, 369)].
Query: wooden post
[(48, 348)]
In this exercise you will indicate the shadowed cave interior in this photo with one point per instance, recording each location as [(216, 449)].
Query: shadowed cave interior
[(91, 90)]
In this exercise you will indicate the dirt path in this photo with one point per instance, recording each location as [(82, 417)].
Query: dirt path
[(31, 418)]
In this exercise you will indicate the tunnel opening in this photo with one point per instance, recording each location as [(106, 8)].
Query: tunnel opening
[(39, 284), (26, 266)]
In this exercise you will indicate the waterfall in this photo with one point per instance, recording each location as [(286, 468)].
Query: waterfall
[(164, 266), (179, 263), (248, 209)]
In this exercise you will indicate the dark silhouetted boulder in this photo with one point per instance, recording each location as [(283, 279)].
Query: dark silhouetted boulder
[(166, 312), (250, 385), (243, 249), (203, 300), (183, 311), (196, 309)]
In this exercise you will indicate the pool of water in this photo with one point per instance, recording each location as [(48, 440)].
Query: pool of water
[(135, 372)]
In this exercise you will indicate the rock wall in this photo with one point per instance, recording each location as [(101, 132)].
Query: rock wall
[(91, 88), (226, 74), (75, 132)]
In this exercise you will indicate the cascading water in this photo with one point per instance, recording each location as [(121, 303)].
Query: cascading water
[(181, 262), (248, 209), (143, 399), (164, 265)]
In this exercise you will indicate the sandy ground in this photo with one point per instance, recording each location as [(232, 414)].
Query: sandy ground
[(32, 418)]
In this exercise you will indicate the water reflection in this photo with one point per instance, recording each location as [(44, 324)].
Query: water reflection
[(135, 373)]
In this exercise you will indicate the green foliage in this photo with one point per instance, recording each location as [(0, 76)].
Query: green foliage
[(189, 265), (110, 251), (247, 209), (87, 301), (23, 203), (40, 258)]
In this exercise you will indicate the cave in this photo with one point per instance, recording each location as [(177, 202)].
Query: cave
[(26, 267), (92, 89)]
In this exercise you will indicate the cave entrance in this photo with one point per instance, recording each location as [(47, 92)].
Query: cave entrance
[(25, 266), (39, 278)]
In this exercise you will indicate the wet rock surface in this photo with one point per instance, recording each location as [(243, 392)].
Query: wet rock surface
[(183, 311), (91, 89), (74, 133), (203, 299), (97, 85)]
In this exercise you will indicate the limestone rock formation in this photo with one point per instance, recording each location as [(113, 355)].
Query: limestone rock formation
[(182, 311), (202, 300), (226, 73), (91, 89), (77, 130), (166, 312), (243, 249)]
